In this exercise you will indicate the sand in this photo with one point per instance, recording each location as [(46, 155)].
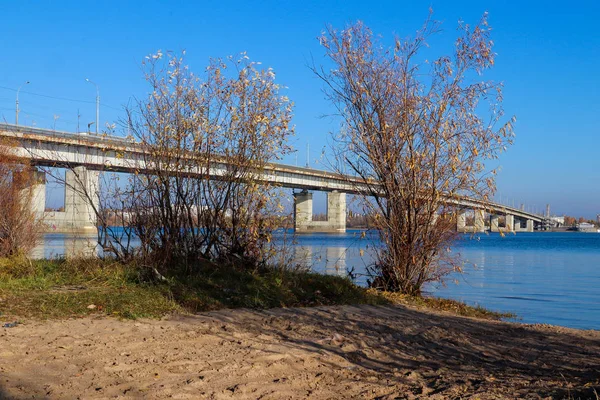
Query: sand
[(317, 353)]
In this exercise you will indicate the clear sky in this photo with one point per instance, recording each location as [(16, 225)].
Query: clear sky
[(548, 58)]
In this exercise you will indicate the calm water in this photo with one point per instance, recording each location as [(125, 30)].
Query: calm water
[(549, 278)]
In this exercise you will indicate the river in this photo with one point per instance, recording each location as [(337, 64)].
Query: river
[(550, 278)]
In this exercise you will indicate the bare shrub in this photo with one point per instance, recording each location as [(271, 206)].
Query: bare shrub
[(418, 135), (198, 193), (206, 142), (20, 228)]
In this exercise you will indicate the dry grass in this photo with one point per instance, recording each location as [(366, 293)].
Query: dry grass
[(452, 306)]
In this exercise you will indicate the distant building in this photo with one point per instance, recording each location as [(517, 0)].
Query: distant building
[(598, 218), (558, 221)]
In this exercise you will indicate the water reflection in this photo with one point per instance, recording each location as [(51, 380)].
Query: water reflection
[(336, 260), (328, 260), (66, 245)]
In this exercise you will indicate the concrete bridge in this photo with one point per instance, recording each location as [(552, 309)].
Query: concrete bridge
[(88, 155)]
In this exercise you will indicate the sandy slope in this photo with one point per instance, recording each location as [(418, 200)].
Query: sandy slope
[(321, 353)]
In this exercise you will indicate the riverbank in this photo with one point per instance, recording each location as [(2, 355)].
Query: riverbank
[(59, 288), (81, 328), (383, 352)]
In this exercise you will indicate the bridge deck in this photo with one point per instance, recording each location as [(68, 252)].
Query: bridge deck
[(101, 152)]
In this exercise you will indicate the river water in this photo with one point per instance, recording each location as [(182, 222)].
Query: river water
[(551, 278)]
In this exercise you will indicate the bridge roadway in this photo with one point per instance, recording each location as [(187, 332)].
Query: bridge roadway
[(52, 148)]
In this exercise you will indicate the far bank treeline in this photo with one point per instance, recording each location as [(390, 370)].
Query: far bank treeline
[(421, 127)]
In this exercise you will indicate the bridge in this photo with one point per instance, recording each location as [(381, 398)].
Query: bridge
[(86, 155)]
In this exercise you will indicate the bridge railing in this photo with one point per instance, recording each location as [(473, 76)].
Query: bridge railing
[(67, 135)]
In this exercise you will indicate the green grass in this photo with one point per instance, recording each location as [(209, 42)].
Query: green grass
[(45, 289), (214, 288), (65, 288)]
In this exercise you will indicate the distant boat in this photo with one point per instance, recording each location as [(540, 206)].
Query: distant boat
[(587, 227)]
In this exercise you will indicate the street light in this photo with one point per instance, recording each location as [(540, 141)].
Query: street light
[(97, 103), (17, 103)]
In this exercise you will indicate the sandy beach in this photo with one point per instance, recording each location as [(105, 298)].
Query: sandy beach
[(319, 353)]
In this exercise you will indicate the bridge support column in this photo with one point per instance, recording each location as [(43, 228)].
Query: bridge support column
[(510, 223), (37, 191), (461, 221), (336, 213), (81, 200), (494, 225), (517, 225), (479, 222), (529, 225), (303, 208)]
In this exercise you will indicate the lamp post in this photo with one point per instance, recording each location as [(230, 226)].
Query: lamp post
[(97, 103), (17, 104)]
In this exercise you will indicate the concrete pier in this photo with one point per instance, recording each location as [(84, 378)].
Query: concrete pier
[(510, 223), (524, 225), (303, 208), (336, 213), (494, 225), (461, 222), (81, 202), (518, 225), (478, 222), (529, 225), (37, 191)]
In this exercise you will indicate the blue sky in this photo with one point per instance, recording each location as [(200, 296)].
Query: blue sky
[(548, 58)]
